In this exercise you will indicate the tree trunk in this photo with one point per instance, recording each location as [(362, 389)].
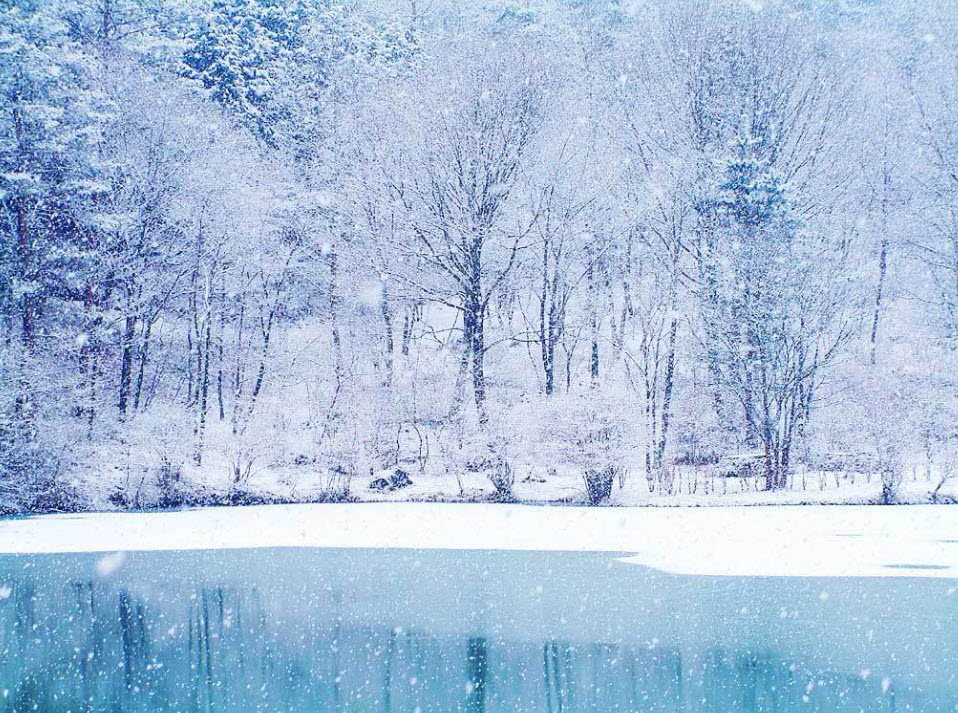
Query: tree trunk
[(593, 323), (770, 465), (189, 367), (474, 325), (24, 248), (126, 364), (669, 359), (141, 367), (204, 388), (410, 317), (457, 412), (667, 395), (650, 415), (89, 358), (876, 316), (238, 372), (388, 341), (475, 343), (266, 334), (334, 302), (551, 322), (220, 338), (545, 340), (23, 244)]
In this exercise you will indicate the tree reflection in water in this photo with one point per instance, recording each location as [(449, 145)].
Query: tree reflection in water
[(130, 644)]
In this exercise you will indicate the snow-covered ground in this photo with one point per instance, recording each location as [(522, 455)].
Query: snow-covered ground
[(812, 541), (534, 484), (696, 488)]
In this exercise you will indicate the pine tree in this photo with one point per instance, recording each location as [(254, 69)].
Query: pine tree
[(45, 169), (271, 64), (242, 52)]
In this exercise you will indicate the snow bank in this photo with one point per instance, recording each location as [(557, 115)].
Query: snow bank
[(811, 541)]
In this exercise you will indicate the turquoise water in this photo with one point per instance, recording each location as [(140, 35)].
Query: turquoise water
[(379, 631)]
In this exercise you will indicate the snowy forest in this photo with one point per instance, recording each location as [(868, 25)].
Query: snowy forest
[(319, 250)]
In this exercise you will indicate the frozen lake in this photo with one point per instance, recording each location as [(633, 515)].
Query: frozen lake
[(371, 630)]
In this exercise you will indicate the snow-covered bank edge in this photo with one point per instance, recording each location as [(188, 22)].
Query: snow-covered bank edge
[(811, 541)]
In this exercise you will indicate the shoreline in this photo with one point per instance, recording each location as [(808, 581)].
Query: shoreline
[(799, 540)]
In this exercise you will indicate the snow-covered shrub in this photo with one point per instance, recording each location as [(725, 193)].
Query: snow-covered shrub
[(32, 477), (159, 445), (172, 490), (17, 458), (944, 468), (667, 479), (698, 439), (242, 458), (600, 441), (598, 484), (891, 471), (335, 486), (938, 433), (886, 413), (489, 454), (584, 431), (466, 446), (502, 476)]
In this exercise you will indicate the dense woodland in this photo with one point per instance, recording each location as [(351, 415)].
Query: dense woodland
[(614, 238)]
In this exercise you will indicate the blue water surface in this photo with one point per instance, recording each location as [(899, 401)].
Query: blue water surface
[(377, 631)]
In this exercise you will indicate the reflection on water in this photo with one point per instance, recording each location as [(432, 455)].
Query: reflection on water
[(435, 632)]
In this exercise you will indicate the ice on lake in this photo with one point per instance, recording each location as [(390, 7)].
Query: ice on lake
[(380, 631)]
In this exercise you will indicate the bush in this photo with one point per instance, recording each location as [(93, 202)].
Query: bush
[(578, 430), (335, 487), (598, 484), (51, 495), (503, 478), (30, 467), (892, 476)]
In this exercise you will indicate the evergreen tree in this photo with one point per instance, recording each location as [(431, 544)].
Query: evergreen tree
[(46, 169)]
